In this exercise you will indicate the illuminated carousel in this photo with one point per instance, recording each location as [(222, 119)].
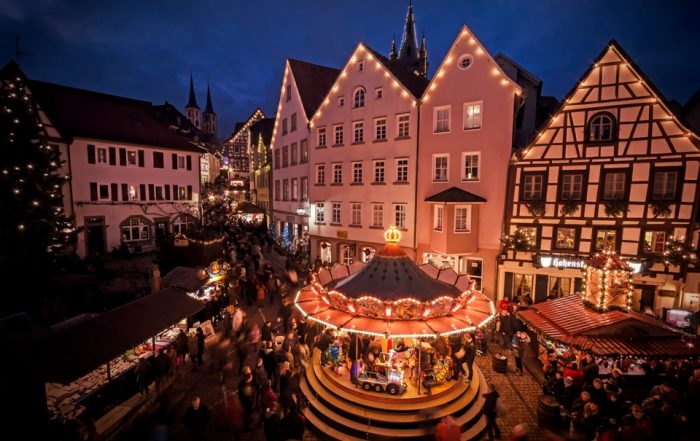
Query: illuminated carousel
[(395, 320)]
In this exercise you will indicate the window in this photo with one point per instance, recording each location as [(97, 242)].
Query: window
[(285, 128), (571, 186), (606, 240), (278, 193), (285, 156), (402, 170), (341, 101), (295, 189), (440, 168), (441, 119), (293, 122), (304, 188), (403, 124), (357, 173), (522, 285), (288, 92), (337, 173), (437, 217), (367, 253), (665, 185), (304, 147), (180, 162), (360, 65), (400, 215), (600, 127), (614, 185), (654, 242), (132, 158), (377, 215), (335, 213), (378, 92), (565, 238), (159, 193), (358, 129), (133, 193), (463, 218), (134, 228), (356, 213), (158, 160), (294, 153), (320, 212), (472, 116), (320, 174), (104, 192), (285, 189), (380, 129), (533, 186), (338, 130), (359, 98), (277, 159), (183, 224), (182, 192), (559, 286), (378, 171), (470, 166), (530, 232), (102, 155), (322, 137), (465, 61)]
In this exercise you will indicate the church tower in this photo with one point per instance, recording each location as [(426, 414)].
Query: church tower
[(423, 57), (409, 55), (209, 115), (192, 109)]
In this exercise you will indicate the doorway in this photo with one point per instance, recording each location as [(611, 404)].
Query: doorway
[(162, 228), (643, 297), (95, 241)]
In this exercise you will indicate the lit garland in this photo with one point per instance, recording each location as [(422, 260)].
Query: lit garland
[(182, 236), (678, 252), (607, 280)]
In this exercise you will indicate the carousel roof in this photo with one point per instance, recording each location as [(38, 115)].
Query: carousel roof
[(613, 332), (392, 275)]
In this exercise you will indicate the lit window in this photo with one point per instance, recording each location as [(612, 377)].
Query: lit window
[(565, 238), (403, 123), (472, 116), (133, 193), (654, 242), (606, 240), (463, 219), (470, 166), (441, 119), (134, 228), (102, 155), (132, 158), (359, 98)]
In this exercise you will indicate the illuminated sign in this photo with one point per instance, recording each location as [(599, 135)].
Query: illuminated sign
[(237, 183), (577, 263)]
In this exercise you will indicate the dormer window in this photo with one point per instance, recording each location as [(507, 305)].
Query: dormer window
[(359, 98), (601, 128)]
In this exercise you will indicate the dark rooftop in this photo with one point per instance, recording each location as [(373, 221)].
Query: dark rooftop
[(454, 194)]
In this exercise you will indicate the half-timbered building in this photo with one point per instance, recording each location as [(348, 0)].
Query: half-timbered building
[(613, 169)]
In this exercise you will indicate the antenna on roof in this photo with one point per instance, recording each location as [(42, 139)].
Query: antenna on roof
[(19, 53)]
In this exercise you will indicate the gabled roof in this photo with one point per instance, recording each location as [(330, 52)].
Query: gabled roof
[(88, 114), (263, 128), (313, 83), (170, 115), (455, 195), (521, 70), (415, 84), (240, 125)]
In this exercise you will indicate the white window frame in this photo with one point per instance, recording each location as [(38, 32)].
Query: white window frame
[(336, 212), (338, 135), (403, 125), (399, 169), (464, 166), (320, 212), (182, 223), (337, 173), (437, 157), (358, 131), (140, 227), (377, 214), (356, 213), (613, 192), (466, 117), (664, 194), (379, 170), (359, 95), (357, 172), (106, 156), (438, 109), (320, 174), (321, 137), (467, 219), (400, 215), (439, 218), (380, 122)]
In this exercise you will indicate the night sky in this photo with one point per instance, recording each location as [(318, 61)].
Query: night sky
[(146, 49)]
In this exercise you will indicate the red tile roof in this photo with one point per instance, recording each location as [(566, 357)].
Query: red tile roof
[(313, 83)]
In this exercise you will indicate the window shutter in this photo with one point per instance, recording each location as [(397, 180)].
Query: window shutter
[(189, 192), (142, 191), (112, 156), (114, 189), (189, 162), (122, 157), (508, 285), (125, 192), (176, 194), (93, 191), (151, 192), (157, 160), (174, 161), (541, 282), (141, 160), (91, 154), (167, 192)]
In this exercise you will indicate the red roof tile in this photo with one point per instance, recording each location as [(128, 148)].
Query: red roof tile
[(313, 83)]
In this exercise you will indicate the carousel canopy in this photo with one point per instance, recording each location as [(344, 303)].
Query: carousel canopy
[(613, 332)]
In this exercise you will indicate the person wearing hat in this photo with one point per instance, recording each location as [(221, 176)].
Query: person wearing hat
[(568, 394)]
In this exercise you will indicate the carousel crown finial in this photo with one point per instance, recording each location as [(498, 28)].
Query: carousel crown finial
[(392, 235)]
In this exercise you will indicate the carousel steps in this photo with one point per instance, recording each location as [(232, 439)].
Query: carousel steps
[(476, 431), (466, 397), (326, 431)]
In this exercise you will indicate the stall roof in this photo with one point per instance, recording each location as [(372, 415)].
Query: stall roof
[(182, 277), (74, 351)]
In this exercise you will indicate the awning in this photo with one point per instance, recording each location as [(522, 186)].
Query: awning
[(454, 195), (73, 351), (182, 277)]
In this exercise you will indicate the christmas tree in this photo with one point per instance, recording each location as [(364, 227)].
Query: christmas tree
[(34, 229)]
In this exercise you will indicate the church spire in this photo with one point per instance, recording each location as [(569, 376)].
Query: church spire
[(408, 54), (209, 108), (193, 101), (393, 55), (423, 55)]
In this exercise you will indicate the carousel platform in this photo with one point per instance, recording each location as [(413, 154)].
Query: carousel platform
[(340, 411)]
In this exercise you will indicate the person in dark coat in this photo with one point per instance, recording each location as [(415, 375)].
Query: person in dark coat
[(200, 346), (292, 426), (196, 419), (246, 393), (181, 347), (143, 376), (227, 323), (267, 331), (271, 422), (469, 355), (555, 386), (161, 366), (489, 409)]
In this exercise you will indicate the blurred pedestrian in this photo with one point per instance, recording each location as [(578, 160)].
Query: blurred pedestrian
[(196, 419), (200, 346), (489, 409)]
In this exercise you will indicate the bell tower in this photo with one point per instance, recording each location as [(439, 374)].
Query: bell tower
[(209, 115), (192, 109)]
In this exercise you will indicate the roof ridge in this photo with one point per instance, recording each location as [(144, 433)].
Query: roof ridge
[(90, 92)]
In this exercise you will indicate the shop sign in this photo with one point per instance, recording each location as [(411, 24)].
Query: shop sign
[(301, 211), (561, 262), (341, 234), (181, 242), (237, 183)]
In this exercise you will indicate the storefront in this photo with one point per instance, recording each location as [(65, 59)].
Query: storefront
[(463, 264)]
